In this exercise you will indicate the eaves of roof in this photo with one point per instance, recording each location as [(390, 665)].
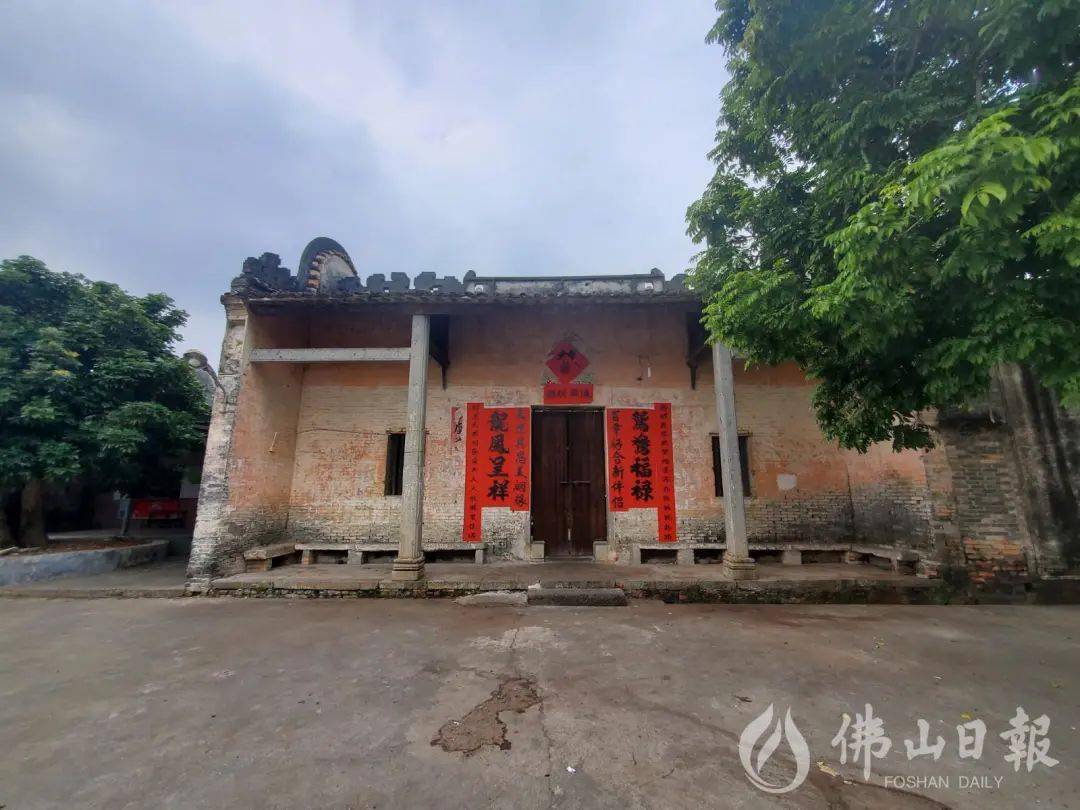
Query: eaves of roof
[(425, 297)]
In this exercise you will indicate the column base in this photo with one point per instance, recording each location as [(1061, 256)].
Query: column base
[(740, 567), (407, 570)]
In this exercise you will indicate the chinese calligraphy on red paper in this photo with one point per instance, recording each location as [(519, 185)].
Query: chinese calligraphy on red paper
[(496, 463), (641, 471)]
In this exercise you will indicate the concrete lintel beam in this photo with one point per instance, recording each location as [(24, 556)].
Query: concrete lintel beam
[(396, 355)]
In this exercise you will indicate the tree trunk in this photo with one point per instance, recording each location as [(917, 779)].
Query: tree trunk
[(7, 537), (32, 529)]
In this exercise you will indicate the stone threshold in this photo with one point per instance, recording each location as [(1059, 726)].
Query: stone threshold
[(843, 583), (123, 592), (850, 592)]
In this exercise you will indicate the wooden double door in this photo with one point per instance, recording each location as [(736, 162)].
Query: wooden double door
[(569, 502)]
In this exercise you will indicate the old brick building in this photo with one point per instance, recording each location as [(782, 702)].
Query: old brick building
[(570, 417)]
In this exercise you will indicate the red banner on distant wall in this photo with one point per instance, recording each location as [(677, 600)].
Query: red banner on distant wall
[(641, 469), (557, 393), (156, 509), (497, 459)]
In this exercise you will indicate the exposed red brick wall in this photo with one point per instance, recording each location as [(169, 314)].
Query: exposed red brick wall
[(803, 487), (985, 508)]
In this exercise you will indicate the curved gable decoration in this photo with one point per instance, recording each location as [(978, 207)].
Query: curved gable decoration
[(324, 264)]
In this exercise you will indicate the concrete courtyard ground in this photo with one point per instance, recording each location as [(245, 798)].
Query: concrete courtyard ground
[(410, 703)]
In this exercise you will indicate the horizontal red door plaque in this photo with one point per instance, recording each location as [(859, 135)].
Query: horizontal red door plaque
[(556, 393)]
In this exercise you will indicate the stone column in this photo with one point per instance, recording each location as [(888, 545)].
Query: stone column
[(737, 561), (409, 565)]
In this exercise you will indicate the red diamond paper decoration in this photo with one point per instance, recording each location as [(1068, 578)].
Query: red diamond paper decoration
[(566, 362)]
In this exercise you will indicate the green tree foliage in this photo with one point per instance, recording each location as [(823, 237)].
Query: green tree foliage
[(896, 203), (89, 385)]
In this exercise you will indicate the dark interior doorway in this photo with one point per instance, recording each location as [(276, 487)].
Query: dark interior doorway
[(569, 504)]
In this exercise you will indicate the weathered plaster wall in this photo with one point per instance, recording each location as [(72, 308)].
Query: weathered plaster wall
[(346, 412), (244, 494), (889, 499), (1046, 442), (803, 488)]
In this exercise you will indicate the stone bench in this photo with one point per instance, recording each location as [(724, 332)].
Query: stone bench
[(790, 552), (684, 552), (899, 558), (356, 553), (311, 553), (478, 550), (889, 552), (263, 558)]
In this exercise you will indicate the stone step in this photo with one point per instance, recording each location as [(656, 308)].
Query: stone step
[(583, 597)]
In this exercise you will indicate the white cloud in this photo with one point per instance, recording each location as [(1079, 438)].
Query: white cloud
[(66, 151), (506, 137), (491, 123), (342, 60)]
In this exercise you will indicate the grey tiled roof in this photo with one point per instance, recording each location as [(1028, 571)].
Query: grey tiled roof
[(327, 273)]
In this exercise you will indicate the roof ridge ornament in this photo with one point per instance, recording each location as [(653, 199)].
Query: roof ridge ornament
[(324, 265)]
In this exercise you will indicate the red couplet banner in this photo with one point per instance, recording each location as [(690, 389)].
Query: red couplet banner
[(497, 462), (641, 469)]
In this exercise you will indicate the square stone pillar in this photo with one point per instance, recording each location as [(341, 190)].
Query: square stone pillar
[(409, 564), (737, 560)]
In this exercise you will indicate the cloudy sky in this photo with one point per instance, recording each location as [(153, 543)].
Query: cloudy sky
[(158, 144)]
